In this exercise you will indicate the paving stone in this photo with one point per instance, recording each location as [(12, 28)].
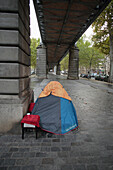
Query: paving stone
[(14, 168), (41, 154), (35, 161), (29, 154), (77, 143), (67, 167), (28, 167), (22, 161), (35, 149), (1, 162), (45, 149), (92, 167), (45, 167), (66, 148), (107, 159), (55, 149), (4, 149), (56, 140), (88, 139), (90, 147), (3, 168), (106, 167), (23, 150), (17, 155), (9, 162), (85, 153), (46, 144), (79, 167), (47, 140), (63, 154), (5, 155), (47, 161), (60, 136), (74, 153), (73, 160), (13, 150), (109, 147)]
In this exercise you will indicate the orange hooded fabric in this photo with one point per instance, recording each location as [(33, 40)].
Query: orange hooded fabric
[(56, 89)]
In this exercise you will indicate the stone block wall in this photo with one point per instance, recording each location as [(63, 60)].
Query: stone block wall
[(58, 69), (41, 70), (73, 68), (15, 93)]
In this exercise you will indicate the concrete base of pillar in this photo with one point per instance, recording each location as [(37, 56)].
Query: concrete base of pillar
[(41, 77), (12, 109)]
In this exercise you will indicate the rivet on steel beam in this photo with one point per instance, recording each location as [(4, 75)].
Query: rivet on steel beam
[(92, 13), (97, 6), (88, 20), (38, 1)]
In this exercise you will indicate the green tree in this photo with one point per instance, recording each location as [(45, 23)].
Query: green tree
[(103, 37), (64, 63), (95, 58), (89, 57), (83, 52), (33, 47)]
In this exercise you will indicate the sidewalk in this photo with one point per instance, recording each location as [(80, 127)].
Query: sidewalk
[(88, 148)]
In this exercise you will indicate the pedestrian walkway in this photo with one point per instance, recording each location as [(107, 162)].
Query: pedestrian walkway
[(88, 148)]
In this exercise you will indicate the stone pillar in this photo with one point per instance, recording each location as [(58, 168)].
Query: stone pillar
[(73, 68), (15, 93), (58, 69), (41, 70), (47, 69), (111, 57)]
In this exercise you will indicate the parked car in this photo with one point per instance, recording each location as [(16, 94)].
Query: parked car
[(62, 72), (95, 74), (84, 75), (81, 75), (33, 72), (106, 79), (92, 74), (97, 77), (102, 77)]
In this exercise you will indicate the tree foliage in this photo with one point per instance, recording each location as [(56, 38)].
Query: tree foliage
[(101, 29), (103, 37), (89, 57), (33, 47), (64, 63)]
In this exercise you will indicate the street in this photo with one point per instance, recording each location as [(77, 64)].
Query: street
[(88, 148)]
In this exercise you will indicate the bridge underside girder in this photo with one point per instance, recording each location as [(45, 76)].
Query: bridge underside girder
[(62, 22)]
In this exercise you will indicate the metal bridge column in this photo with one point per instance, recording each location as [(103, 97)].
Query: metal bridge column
[(73, 68), (15, 93), (41, 70), (58, 69)]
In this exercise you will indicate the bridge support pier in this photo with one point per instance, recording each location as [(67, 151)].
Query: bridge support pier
[(111, 59), (58, 69), (41, 70), (73, 68), (15, 93)]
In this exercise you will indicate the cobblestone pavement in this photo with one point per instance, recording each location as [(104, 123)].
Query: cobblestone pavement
[(88, 148)]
